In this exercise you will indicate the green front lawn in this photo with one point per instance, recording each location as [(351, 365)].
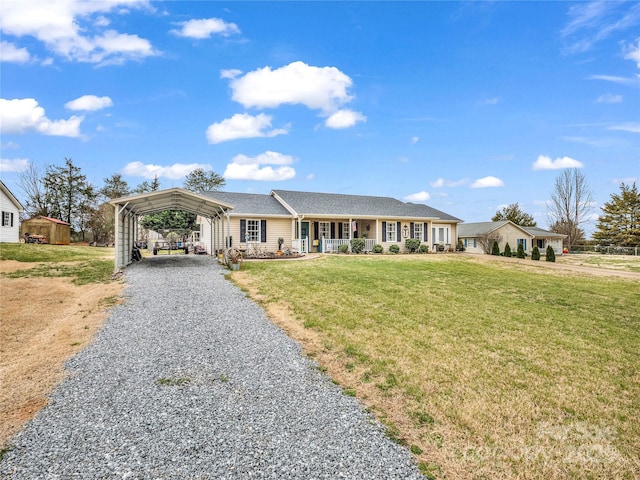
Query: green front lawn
[(483, 369)]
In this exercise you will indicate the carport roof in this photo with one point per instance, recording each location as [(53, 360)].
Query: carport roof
[(172, 199)]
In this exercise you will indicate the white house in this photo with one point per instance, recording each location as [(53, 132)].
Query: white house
[(11, 208), (479, 237)]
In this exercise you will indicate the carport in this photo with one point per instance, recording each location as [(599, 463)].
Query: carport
[(128, 211)]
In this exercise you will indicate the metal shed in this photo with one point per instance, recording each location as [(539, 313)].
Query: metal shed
[(128, 210)]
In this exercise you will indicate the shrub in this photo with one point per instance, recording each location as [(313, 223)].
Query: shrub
[(520, 251), (424, 248), (412, 244), (495, 250), (343, 248), (460, 247), (551, 255), (377, 248), (535, 253), (357, 245), (394, 249), (507, 250)]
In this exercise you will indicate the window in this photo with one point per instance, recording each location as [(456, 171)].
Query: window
[(253, 231), (540, 243), (391, 234), (523, 242), (324, 230), (346, 231), (417, 231), (440, 234), (7, 219)]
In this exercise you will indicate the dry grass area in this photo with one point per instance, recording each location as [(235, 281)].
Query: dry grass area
[(485, 369), (44, 321)]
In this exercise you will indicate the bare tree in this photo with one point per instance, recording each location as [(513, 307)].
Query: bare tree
[(486, 241), (31, 182), (570, 204)]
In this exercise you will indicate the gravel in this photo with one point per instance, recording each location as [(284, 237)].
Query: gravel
[(189, 379)]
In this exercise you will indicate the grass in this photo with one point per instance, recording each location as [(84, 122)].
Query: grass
[(83, 264), (489, 370), (617, 262)]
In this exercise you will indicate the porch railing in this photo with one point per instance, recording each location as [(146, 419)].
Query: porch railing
[(331, 245), (300, 245)]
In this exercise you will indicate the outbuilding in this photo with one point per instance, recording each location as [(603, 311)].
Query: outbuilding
[(57, 232)]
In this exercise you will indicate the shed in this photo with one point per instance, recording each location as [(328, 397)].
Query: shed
[(57, 231)]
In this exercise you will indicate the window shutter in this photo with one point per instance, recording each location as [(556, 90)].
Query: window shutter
[(475, 242), (340, 230), (316, 229), (465, 243), (3, 219), (263, 231), (384, 231), (399, 232), (333, 230), (411, 230), (243, 230), (425, 229), (12, 219)]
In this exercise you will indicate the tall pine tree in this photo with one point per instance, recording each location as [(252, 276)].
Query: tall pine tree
[(619, 223)]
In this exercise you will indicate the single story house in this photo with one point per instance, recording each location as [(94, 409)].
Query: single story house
[(479, 237), (11, 209), (57, 231), (321, 222)]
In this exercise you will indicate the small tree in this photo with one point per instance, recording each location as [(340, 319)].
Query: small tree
[(507, 250), (551, 255), (495, 250), (535, 253), (520, 251)]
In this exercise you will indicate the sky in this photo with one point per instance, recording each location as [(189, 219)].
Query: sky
[(464, 106)]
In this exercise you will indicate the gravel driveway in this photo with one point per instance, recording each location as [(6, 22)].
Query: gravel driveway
[(189, 379)]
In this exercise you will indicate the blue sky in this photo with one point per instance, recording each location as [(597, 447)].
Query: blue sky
[(465, 106)]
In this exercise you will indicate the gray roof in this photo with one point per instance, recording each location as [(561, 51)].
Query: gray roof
[(356, 206), (477, 229), (250, 203)]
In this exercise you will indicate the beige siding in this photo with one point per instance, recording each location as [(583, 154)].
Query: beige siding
[(276, 227)]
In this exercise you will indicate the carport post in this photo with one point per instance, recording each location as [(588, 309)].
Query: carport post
[(229, 230)]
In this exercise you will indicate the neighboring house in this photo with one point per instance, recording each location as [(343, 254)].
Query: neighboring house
[(321, 222), (10, 208), (56, 231), (479, 237)]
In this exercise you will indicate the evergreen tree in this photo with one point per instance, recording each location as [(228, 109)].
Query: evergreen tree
[(535, 253), (551, 255), (520, 251), (507, 250), (114, 187), (516, 215), (495, 250), (619, 223), (145, 186), (200, 181)]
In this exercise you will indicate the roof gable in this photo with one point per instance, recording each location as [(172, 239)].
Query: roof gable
[(12, 198), (250, 203), (478, 229)]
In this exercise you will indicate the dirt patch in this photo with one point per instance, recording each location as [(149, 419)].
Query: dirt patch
[(44, 322)]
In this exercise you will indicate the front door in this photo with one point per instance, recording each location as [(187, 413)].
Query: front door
[(304, 235)]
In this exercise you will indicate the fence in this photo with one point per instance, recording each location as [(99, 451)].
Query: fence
[(604, 249)]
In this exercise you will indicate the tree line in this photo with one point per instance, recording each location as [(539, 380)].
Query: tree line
[(63, 192)]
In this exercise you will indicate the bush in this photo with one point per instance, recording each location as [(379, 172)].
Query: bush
[(520, 252), (460, 247), (394, 249), (495, 250), (412, 244), (343, 248), (357, 245), (535, 253), (424, 248), (551, 255), (377, 248), (507, 250)]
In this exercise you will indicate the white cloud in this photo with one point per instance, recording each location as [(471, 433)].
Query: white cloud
[(415, 140), (70, 29), (242, 125), (13, 164), (629, 82), (418, 197), (544, 162), (10, 53), (633, 127), (490, 101), (626, 181), (205, 27), (230, 73), (487, 182), (243, 167), (441, 182), (318, 88), (24, 115), (89, 103), (344, 119), (173, 172), (609, 98), (633, 52)]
